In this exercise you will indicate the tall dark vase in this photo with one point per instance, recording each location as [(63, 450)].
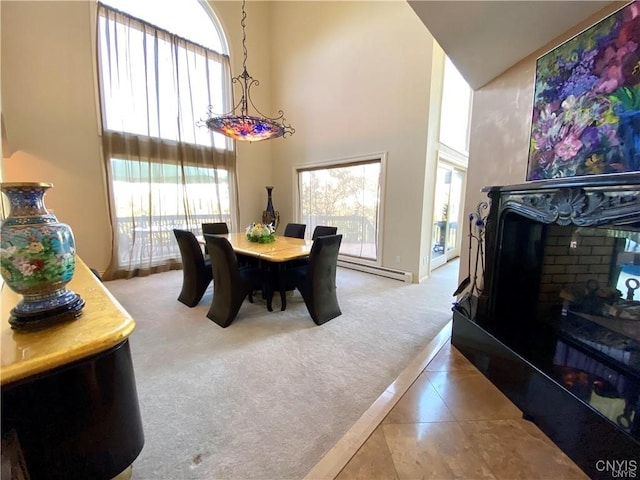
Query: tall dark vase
[(270, 215)]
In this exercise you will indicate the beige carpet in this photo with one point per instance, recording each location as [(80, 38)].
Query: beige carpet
[(266, 397)]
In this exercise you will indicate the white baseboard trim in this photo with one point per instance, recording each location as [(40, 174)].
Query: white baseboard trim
[(382, 271)]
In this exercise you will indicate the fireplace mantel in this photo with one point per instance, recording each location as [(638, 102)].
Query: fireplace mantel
[(612, 199)]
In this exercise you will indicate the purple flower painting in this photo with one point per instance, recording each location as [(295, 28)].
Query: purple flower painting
[(586, 112)]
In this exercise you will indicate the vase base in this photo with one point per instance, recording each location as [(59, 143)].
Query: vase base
[(42, 319)]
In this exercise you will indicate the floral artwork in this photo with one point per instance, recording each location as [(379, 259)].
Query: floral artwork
[(586, 113), (261, 233)]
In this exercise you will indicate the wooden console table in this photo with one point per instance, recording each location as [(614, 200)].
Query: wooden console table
[(69, 400)]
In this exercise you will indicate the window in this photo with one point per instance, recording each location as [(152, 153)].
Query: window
[(453, 158), (347, 196), (159, 84), (165, 170), (456, 109)]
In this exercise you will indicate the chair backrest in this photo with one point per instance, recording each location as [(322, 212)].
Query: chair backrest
[(215, 228), (224, 262), (320, 289), (323, 230), (229, 290), (295, 230), (196, 272), (190, 250)]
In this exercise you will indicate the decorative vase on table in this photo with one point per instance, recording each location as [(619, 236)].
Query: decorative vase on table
[(37, 259), (270, 215)]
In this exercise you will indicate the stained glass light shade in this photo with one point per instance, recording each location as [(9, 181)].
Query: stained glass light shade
[(238, 124), (246, 127)]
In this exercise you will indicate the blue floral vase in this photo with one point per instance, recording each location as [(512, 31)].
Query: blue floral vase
[(37, 258)]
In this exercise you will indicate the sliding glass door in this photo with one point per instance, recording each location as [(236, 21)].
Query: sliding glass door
[(447, 220)]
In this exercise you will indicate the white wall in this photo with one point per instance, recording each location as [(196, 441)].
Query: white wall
[(352, 77), (50, 111)]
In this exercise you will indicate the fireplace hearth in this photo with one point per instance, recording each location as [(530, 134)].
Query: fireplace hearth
[(556, 322)]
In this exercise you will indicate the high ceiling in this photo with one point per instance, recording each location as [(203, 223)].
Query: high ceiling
[(485, 38)]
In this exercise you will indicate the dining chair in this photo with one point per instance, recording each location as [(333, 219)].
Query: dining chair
[(317, 280), (231, 283), (295, 230), (322, 230), (318, 231), (196, 271), (214, 228)]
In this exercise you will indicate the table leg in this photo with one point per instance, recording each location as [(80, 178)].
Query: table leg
[(267, 284), (282, 284)]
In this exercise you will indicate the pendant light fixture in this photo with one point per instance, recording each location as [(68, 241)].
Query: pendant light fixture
[(239, 124)]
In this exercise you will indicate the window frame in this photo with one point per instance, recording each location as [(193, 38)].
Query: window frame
[(380, 157)]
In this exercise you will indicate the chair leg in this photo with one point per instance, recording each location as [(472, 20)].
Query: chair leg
[(192, 291), (320, 311), (224, 313)]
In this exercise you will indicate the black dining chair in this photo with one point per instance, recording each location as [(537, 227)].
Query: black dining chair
[(214, 228), (317, 280), (318, 231), (322, 230), (295, 230), (196, 271), (231, 283)]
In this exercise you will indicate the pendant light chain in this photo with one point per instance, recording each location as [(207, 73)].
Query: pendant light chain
[(244, 37)]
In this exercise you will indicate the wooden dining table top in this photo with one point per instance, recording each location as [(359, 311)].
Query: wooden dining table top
[(282, 249)]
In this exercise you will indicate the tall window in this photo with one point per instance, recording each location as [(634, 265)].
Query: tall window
[(456, 109), (165, 171), (346, 196), (453, 158)]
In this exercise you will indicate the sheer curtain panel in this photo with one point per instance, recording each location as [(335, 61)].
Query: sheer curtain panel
[(163, 170)]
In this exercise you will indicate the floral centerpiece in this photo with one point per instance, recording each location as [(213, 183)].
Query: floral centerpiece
[(261, 233)]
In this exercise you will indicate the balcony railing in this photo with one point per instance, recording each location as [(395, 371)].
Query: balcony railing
[(150, 239)]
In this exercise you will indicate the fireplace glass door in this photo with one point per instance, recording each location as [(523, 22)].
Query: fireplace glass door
[(567, 299)]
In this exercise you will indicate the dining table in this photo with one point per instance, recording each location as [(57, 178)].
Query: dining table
[(275, 254)]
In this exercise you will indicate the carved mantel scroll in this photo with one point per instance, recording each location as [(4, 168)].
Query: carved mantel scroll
[(610, 201), (573, 205)]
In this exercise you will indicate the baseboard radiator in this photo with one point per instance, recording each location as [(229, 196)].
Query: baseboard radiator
[(375, 270)]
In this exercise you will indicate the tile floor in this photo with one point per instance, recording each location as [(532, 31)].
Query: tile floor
[(453, 423)]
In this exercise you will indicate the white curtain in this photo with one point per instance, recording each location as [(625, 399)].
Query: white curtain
[(164, 171)]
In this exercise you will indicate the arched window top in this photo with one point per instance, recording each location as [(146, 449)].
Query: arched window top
[(189, 19)]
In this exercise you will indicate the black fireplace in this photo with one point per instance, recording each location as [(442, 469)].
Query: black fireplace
[(555, 324)]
